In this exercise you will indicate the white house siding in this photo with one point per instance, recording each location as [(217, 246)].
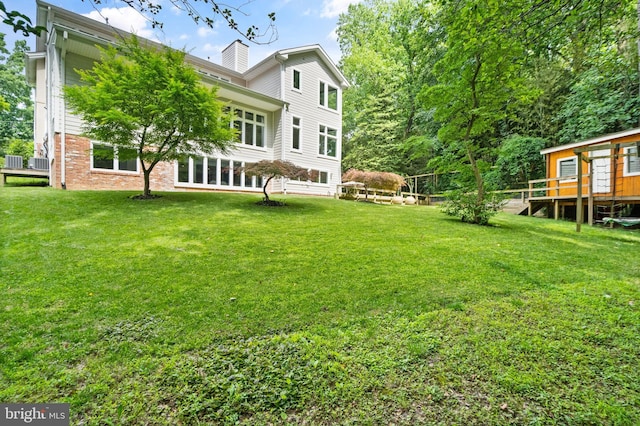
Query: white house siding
[(267, 83), (73, 122), (304, 103), (71, 45)]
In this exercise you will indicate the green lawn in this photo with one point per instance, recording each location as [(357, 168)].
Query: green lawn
[(206, 308)]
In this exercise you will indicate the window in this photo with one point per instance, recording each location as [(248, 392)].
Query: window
[(107, 157), (327, 141), (328, 96), (295, 139), (318, 176), (206, 171), (632, 161), (568, 168), (296, 79), (250, 128)]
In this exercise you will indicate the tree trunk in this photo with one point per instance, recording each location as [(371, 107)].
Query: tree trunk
[(264, 189), (147, 190)]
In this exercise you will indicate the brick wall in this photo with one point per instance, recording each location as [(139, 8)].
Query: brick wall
[(79, 175)]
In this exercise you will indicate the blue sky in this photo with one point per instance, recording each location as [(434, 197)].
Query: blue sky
[(298, 23)]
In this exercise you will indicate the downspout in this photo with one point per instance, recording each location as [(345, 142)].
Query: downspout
[(282, 59), (49, 131), (63, 132)]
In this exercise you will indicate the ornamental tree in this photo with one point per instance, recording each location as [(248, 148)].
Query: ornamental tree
[(275, 168), (379, 180), (149, 101)]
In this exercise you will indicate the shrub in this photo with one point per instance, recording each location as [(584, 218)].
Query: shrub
[(469, 208)]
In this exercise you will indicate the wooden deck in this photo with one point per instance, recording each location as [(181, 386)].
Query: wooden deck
[(556, 195), (23, 173)]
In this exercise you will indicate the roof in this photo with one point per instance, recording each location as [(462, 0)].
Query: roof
[(82, 34), (593, 141), (282, 55)]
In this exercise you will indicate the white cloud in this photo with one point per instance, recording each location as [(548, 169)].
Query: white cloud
[(125, 19), (176, 10), (333, 35), (205, 31), (184, 37), (333, 8)]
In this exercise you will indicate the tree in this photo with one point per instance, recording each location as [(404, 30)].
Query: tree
[(151, 8), (378, 180), (387, 50), (16, 106), (150, 102), (274, 169), (519, 160), (478, 78)]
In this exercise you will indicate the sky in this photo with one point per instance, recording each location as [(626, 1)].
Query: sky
[(298, 23)]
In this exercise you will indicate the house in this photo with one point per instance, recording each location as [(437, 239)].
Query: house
[(288, 107), (594, 178)]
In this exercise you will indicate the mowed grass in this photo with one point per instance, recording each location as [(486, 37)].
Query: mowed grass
[(202, 308)]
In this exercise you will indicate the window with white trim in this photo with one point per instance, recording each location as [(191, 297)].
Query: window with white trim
[(568, 168), (631, 161), (327, 141), (107, 157), (296, 131), (296, 80), (250, 128), (328, 96), (211, 171), (318, 176)]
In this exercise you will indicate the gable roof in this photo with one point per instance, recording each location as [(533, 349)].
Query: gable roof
[(282, 55), (593, 141)]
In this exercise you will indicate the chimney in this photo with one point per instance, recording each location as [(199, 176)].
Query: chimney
[(236, 56)]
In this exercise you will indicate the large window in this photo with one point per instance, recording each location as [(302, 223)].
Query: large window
[(327, 141), (295, 138), (208, 171), (250, 127), (107, 157), (568, 168), (632, 161), (328, 96)]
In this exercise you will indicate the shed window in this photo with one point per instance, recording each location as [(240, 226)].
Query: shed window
[(568, 168), (632, 161)]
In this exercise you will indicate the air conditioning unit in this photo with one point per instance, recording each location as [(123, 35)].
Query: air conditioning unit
[(38, 163), (13, 161)]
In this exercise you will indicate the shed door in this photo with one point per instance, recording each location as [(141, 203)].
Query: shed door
[(601, 171)]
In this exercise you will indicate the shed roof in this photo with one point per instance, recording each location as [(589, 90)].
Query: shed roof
[(593, 141)]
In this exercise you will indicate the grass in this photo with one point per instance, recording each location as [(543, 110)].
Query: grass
[(206, 308)]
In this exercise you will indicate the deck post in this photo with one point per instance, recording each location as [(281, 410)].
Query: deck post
[(556, 209), (590, 193), (579, 212), (3, 179)]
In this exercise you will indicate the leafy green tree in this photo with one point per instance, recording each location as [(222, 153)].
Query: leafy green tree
[(385, 57), (273, 169), (16, 106), (604, 99), (376, 144), (519, 160), (137, 98), (478, 77)]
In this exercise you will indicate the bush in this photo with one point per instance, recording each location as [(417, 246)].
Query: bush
[(21, 147), (470, 209)]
